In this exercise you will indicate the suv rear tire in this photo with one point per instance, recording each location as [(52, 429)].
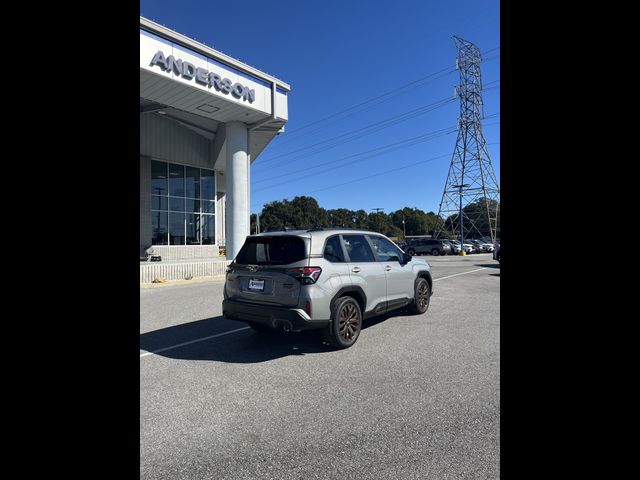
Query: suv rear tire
[(422, 297), (346, 323), (435, 252), (411, 252)]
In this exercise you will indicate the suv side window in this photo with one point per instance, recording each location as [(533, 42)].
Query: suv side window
[(333, 250), (385, 249), (358, 248)]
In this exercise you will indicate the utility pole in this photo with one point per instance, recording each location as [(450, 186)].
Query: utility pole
[(378, 210), (470, 167)]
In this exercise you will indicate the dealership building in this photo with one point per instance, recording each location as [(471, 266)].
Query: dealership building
[(204, 119)]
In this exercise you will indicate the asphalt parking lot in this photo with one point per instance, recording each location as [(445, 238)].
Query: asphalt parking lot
[(417, 397)]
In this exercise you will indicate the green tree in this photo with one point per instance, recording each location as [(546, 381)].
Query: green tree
[(304, 213), (342, 217), (477, 212), (300, 213), (308, 214), (417, 222), (361, 219)]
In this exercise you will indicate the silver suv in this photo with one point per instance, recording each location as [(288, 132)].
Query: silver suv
[(329, 279)]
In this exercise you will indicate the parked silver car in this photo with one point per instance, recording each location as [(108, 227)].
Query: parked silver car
[(326, 279)]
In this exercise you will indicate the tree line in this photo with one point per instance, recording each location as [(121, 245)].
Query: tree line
[(304, 213)]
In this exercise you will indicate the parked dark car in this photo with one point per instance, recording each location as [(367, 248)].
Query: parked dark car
[(432, 246), (496, 252)]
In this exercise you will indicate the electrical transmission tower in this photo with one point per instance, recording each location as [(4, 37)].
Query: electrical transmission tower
[(470, 202)]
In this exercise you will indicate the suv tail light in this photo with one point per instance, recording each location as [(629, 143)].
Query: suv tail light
[(306, 275)]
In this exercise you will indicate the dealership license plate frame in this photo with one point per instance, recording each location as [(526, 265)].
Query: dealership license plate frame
[(256, 285)]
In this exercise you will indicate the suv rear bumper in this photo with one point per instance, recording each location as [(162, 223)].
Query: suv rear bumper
[(274, 317)]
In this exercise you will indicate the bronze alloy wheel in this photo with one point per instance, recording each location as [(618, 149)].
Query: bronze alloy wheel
[(349, 322), (346, 322), (423, 296)]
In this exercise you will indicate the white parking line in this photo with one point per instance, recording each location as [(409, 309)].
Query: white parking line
[(456, 274), (247, 328), (193, 341)]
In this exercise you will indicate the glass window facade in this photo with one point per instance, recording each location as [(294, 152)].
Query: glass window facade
[(182, 204), (159, 228)]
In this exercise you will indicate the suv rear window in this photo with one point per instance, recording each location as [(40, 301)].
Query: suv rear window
[(333, 250), (281, 250)]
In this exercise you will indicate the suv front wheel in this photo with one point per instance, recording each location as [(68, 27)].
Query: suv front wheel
[(422, 295), (346, 323)]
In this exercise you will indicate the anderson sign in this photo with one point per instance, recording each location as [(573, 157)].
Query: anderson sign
[(189, 71)]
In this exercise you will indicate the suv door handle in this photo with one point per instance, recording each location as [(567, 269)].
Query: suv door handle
[(355, 269), (387, 268)]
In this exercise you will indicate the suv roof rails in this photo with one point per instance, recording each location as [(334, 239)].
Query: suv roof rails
[(320, 229)]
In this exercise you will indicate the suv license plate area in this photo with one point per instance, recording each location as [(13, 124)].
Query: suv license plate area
[(256, 285)]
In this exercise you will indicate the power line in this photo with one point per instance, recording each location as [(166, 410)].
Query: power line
[(307, 154), (490, 50), (376, 174), (381, 173), (447, 155), (362, 131), (288, 138), (373, 153), (397, 90)]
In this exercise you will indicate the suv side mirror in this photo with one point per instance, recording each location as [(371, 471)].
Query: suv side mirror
[(406, 258)]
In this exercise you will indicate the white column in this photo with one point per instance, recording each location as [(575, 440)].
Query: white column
[(237, 173)]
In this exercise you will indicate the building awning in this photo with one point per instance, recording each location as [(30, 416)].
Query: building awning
[(198, 87)]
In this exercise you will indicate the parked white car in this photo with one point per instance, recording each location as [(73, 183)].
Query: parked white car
[(468, 248), (488, 247)]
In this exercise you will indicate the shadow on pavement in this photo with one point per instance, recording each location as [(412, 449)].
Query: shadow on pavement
[(246, 346), (488, 265)]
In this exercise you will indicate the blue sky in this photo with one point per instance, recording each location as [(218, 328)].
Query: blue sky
[(337, 55)]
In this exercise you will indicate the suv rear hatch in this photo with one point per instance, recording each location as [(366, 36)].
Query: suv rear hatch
[(264, 270)]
